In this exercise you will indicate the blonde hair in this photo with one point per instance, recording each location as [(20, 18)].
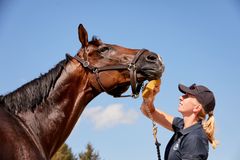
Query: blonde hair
[(209, 126)]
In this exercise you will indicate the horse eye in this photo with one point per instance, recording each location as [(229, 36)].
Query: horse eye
[(103, 49)]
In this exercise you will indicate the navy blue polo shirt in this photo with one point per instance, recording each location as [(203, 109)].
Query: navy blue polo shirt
[(187, 144)]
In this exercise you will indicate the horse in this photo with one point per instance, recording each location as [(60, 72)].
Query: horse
[(37, 118)]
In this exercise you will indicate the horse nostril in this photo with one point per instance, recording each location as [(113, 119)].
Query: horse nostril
[(152, 57)]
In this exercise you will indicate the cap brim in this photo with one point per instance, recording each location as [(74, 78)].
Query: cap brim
[(185, 89)]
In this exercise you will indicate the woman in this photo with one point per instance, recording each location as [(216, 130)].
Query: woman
[(191, 132)]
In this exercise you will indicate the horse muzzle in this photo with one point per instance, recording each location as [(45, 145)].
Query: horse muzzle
[(149, 67)]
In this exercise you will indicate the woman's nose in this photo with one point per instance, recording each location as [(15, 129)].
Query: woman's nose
[(181, 98)]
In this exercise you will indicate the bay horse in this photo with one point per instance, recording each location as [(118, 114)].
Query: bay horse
[(37, 118)]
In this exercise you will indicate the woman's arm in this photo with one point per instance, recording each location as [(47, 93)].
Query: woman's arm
[(158, 116)]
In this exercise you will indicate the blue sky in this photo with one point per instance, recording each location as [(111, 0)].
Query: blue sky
[(197, 39)]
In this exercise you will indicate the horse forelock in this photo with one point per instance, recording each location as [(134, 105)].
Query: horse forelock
[(31, 94), (95, 41)]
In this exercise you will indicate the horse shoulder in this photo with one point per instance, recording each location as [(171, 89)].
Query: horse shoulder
[(15, 143)]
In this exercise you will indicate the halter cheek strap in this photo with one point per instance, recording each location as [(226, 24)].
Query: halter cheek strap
[(136, 87)]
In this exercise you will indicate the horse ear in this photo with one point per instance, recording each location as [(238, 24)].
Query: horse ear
[(83, 35)]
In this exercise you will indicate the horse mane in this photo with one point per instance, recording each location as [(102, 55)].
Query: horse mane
[(31, 94)]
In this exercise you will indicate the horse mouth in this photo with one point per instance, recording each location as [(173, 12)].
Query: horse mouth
[(149, 74), (141, 76)]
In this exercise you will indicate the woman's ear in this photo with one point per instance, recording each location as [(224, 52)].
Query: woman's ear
[(197, 108)]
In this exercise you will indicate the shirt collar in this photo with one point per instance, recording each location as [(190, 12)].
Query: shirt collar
[(191, 128)]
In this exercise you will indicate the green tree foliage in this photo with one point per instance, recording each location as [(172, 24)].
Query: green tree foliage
[(64, 153), (89, 154)]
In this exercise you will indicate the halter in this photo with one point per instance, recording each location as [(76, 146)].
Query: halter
[(135, 86)]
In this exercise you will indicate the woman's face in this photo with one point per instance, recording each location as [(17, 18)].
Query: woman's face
[(187, 104)]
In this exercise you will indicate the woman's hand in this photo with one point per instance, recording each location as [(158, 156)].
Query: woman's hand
[(149, 97), (151, 93)]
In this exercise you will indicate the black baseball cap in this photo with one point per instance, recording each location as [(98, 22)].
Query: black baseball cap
[(203, 95)]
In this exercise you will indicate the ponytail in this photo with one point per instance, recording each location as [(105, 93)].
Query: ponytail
[(209, 127)]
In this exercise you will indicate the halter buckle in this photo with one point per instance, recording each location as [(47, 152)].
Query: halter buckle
[(131, 66), (85, 64), (95, 70)]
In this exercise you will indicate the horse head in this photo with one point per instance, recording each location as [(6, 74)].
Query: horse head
[(114, 68)]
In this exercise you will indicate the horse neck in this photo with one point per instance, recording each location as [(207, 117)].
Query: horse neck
[(59, 113)]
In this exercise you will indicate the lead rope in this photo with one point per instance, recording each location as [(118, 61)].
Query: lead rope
[(154, 130)]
